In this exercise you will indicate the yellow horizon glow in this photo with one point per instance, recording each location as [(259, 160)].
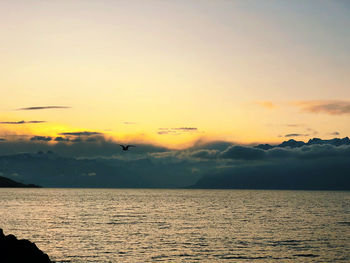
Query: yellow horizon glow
[(228, 68)]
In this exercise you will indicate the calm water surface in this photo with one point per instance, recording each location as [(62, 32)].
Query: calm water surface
[(138, 225)]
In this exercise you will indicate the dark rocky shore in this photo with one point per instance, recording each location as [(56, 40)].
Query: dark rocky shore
[(13, 250)]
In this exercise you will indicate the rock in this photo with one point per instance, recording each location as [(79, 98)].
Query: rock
[(13, 250)]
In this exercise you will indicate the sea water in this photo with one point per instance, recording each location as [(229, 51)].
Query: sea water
[(151, 225)]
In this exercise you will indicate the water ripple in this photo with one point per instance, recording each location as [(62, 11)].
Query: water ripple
[(125, 225)]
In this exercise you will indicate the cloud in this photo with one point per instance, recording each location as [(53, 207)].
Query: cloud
[(44, 108), (304, 152), (75, 146), (314, 132), (189, 154), (295, 135), (82, 133), (322, 151), (315, 165), (313, 174), (294, 125), (166, 131), (242, 153), (20, 122), (266, 104), (145, 171), (308, 167), (204, 154), (331, 107), (211, 145), (129, 122), (80, 138), (41, 138), (176, 131), (61, 139), (185, 129)]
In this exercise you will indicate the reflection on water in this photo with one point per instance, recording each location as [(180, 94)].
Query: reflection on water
[(139, 225)]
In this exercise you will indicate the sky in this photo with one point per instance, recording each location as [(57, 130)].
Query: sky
[(173, 73)]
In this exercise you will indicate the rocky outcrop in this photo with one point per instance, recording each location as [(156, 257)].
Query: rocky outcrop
[(13, 250)]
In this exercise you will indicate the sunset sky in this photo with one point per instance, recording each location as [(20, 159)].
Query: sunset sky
[(175, 72)]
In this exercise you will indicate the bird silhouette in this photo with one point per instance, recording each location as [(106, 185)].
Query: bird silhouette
[(126, 147)]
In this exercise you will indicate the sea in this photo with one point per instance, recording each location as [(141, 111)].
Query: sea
[(163, 225)]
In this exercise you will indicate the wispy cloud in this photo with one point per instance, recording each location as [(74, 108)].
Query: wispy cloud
[(163, 132), (44, 108), (82, 133), (242, 152), (266, 104), (295, 135), (331, 107), (334, 133), (129, 122), (176, 131), (294, 125), (185, 129), (41, 138), (20, 122), (312, 131), (61, 139)]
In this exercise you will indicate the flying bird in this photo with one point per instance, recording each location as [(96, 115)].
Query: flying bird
[(126, 147)]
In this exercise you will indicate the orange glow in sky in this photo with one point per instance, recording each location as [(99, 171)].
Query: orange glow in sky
[(230, 70)]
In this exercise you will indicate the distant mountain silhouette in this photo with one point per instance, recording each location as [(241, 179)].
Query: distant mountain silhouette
[(52, 170), (324, 174), (264, 146), (334, 142), (289, 165), (295, 144), (284, 166), (6, 182)]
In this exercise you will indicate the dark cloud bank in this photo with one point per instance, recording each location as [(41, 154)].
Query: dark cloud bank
[(90, 160)]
